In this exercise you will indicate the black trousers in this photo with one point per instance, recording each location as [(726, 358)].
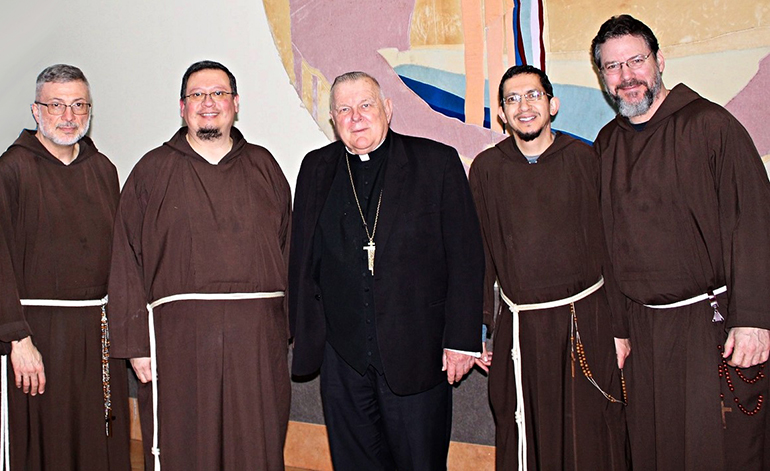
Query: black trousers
[(372, 428)]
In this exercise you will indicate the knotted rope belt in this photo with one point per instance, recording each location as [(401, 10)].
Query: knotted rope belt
[(153, 348), (4, 428), (516, 356)]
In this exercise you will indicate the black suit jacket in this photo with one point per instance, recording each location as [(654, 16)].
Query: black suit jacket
[(429, 264)]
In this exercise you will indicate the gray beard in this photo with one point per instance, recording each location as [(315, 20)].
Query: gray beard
[(48, 133), (208, 134), (630, 110)]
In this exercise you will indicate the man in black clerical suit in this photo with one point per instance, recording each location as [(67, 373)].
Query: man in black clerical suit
[(385, 284)]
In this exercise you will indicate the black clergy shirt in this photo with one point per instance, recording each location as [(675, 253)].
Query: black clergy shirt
[(347, 285)]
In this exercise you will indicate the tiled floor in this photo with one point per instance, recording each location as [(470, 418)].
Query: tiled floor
[(137, 463)]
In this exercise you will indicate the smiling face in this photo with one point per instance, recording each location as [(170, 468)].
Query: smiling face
[(360, 116), (528, 121), (209, 119), (636, 92), (68, 128)]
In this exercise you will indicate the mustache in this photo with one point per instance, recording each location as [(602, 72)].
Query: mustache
[(630, 83), (67, 124)]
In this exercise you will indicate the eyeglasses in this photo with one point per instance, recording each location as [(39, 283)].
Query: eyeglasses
[(532, 96), (57, 109), (198, 97), (614, 68)]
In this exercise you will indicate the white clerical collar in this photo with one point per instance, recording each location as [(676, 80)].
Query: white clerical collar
[(365, 157)]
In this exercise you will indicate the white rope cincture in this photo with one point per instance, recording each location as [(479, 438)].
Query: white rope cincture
[(688, 301), (5, 439), (5, 454), (153, 347), (711, 296), (516, 356)]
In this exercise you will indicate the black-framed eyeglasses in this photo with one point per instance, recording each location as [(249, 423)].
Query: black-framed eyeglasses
[(198, 97), (532, 96), (614, 68), (57, 109)]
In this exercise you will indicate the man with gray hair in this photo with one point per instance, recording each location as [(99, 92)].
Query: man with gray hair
[(685, 208), (385, 277), (58, 196)]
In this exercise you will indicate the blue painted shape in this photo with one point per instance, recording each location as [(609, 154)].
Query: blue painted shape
[(583, 111), (442, 101), (447, 81), (515, 29), (439, 100)]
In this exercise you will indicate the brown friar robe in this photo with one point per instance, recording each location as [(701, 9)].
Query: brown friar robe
[(55, 233), (187, 226), (686, 208), (544, 242)]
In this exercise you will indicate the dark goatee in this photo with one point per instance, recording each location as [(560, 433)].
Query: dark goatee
[(208, 134), (528, 136)]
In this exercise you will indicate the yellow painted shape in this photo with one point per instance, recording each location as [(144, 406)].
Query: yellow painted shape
[(446, 58), (436, 22), (319, 107), (700, 26), (279, 17)]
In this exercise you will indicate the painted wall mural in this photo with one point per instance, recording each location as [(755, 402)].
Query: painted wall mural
[(440, 60)]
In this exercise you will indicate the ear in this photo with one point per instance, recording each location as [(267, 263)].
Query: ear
[(501, 114), (181, 108), (661, 61), (554, 106), (35, 109), (388, 108), (237, 101)]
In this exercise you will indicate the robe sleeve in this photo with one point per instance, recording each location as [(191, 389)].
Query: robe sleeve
[(477, 185), (13, 325), (129, 332), (744, 214), (283, 195), (616, 299), (465, 260)]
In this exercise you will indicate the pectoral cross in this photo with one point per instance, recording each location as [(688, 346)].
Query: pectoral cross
[(725, 409), (370, 255)]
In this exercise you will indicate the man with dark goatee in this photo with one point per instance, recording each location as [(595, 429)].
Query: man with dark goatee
[(686, 215), (537, 197), (201, 235)]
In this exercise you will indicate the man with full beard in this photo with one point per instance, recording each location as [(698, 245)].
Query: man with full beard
[(686, 215), (58, 195), (537, 197), (202, 235)]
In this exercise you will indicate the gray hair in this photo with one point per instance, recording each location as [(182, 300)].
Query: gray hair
[(60, 73), (352, 77)]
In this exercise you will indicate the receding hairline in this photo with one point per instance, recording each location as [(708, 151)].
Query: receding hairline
[(351, 77)]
